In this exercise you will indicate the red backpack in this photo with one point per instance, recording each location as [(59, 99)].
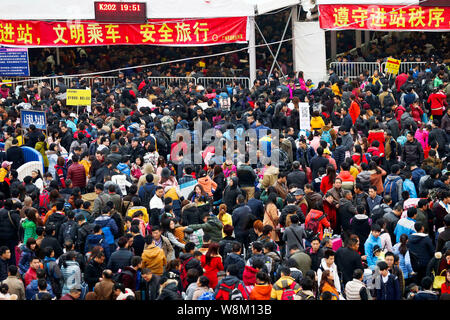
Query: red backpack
[(232, 292), (289, 292), (44, 199)]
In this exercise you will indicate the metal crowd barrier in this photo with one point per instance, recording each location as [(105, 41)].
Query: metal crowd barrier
[(404, 66), (352, 70), (215, 82)]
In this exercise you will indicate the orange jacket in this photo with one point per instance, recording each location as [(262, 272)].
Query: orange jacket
[(354, 111), (261, 292), (207, 184)]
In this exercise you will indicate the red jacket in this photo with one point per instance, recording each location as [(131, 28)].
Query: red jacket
[(438, 101), (249, 276), (400, 80), (77, 174), (378, 136), (330, 211), (326, 184), (324, 223)]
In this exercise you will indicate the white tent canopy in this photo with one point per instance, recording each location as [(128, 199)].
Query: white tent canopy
[(156, 9), (366, 2)]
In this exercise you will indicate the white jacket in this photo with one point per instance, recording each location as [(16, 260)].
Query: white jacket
[(323, 266)]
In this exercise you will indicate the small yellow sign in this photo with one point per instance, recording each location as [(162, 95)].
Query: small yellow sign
[(78, 97), (7, 82), (392, 66)]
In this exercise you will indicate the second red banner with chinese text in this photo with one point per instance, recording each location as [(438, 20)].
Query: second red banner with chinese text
[(387, 18), (90, 33)]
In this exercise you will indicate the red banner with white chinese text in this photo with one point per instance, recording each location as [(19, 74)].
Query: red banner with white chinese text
[(181, 32), (384, 18)]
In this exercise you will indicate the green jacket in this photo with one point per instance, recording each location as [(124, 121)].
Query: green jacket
[(212, 227), (29, 228)]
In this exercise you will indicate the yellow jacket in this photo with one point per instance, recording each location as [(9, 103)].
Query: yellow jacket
[(154, 258), (172, 193), (335, 90), (132, 210), (279, 286), (87, 166), (3, 174), (317, 123), (226, 219)]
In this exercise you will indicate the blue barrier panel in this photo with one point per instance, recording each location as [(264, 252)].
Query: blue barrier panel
[(29, 154)]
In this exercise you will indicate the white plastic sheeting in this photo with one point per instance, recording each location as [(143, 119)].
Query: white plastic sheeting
[(156, 9), (310, 51)]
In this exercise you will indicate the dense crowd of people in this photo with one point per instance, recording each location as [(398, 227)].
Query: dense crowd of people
[(357, 207)]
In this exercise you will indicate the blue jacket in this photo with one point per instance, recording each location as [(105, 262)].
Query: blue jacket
[(122, 167), (25, 259), (96, 240), (368, 248), (233, 258), (339, 155), (32, 289), (404, 226), (409, 186), (107, 221), (422, 246), (404, 261)]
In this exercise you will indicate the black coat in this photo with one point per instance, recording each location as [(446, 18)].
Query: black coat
[(150, 290), (412, 152), (170, 291), (257, 208), (421, 245), (52, 242), (15, 154), (346, 211), (93, 273), (347, 261), (190, 215), (220, 181), (389, 290), (120, 259), (241, 216), (297, 178), (246, 176), (229, 197), (8, 232)]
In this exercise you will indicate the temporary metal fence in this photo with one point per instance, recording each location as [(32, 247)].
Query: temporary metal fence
[(405, 66), (220, 82), (352, 70), (223, 82)]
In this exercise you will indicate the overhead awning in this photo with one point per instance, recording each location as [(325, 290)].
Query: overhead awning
[(390, 15)]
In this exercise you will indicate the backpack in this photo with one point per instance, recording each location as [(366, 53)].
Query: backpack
[(227, 247), (231, 292), (117, 277), (305, 296), (183, 272), (368, 156), (70, 232), (44, 199), (109, 238), (390, 188), (326, 136), (206, 296), (388, 100), (288, 293), (377, 213), (148, 194), (312, 227)]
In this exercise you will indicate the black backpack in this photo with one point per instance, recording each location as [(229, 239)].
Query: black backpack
[(388, 100), (148, 195), (69, 231)]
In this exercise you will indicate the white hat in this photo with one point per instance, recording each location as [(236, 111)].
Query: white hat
[(72, 115)]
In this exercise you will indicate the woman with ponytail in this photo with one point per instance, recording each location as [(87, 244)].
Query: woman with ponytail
[(405, 265), (224, 217)]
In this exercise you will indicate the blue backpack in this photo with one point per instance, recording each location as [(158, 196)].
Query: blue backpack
[(326, 136), (207, 296), (109, 238), (390, 188)]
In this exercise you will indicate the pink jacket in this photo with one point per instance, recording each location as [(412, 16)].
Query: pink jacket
[(422, 137)]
